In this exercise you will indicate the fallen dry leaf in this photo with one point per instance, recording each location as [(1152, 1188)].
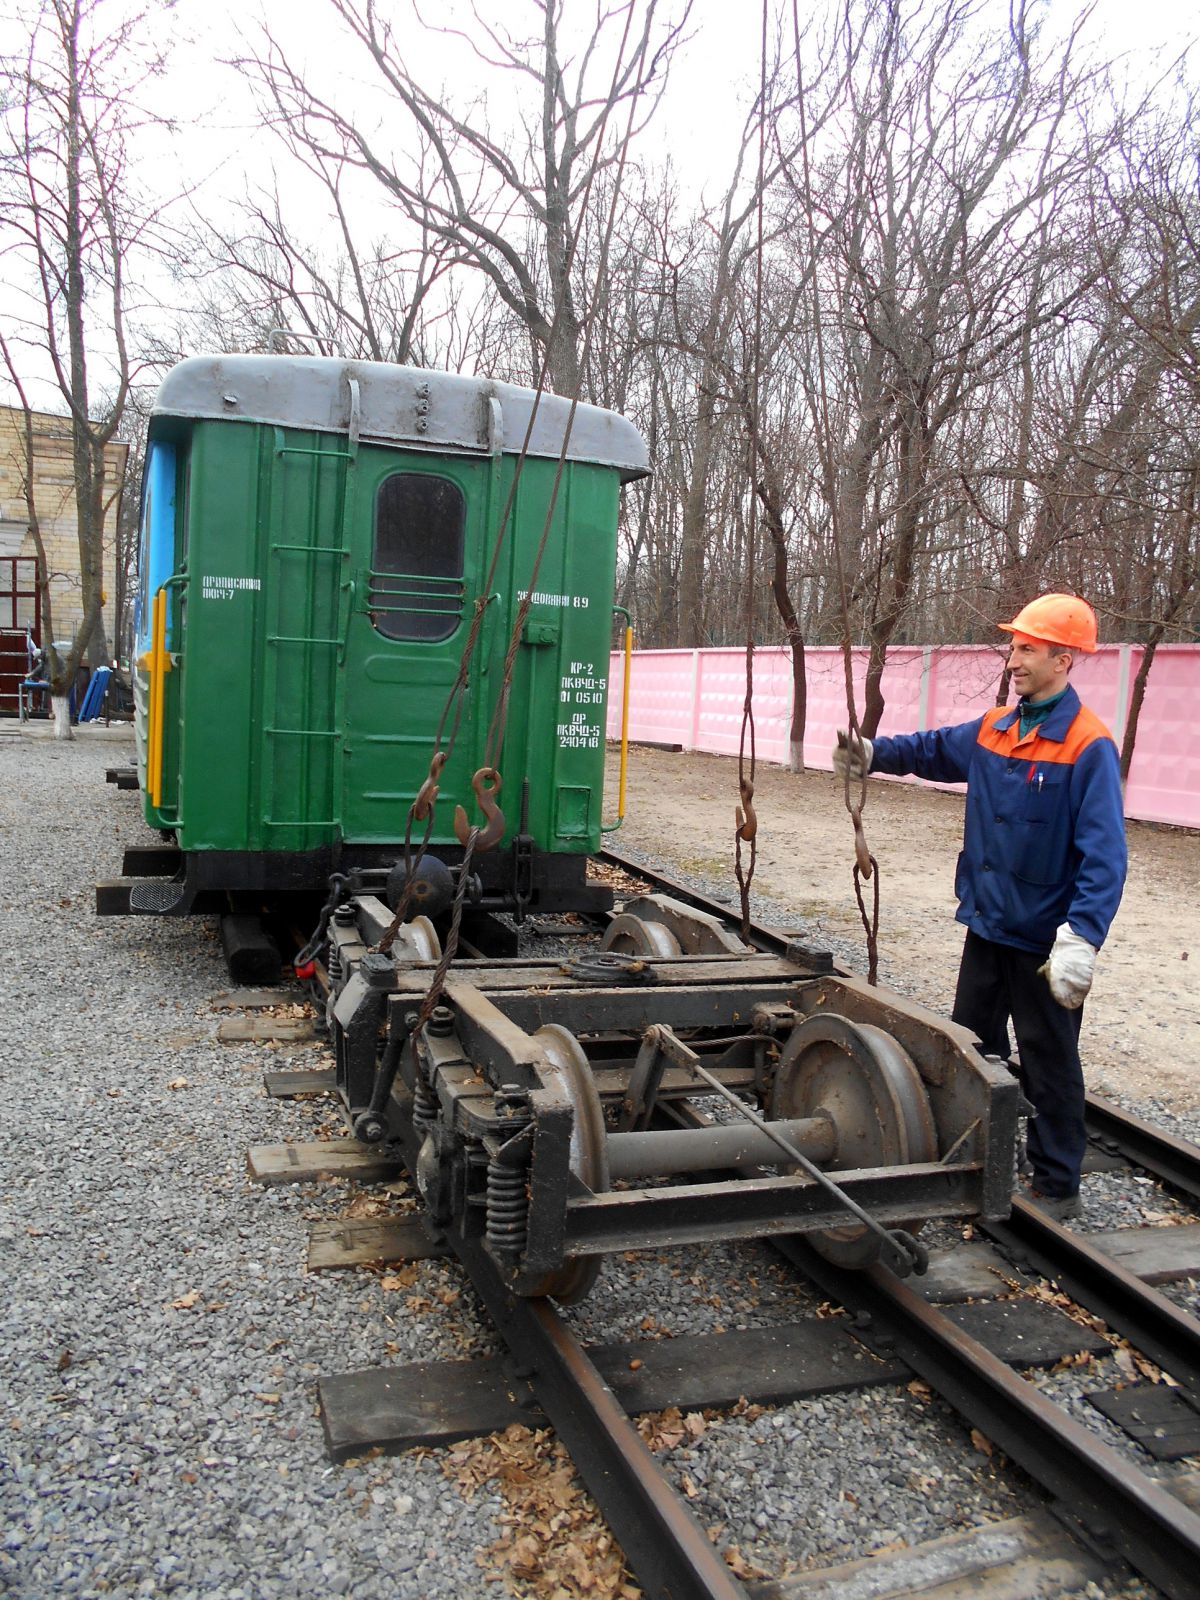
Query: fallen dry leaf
[(740, 1567), (556, 1546), (186, 1301), (404, 1279)]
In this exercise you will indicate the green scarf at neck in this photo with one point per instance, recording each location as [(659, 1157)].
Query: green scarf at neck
[(1032, 714)]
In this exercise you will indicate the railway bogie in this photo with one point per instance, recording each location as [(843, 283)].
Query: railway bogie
[(542, 1104)]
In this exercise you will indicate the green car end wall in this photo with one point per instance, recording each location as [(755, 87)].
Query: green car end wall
[(291, 722)]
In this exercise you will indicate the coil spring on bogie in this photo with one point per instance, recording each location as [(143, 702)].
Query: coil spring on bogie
[(507, 1208), (425, 1105)]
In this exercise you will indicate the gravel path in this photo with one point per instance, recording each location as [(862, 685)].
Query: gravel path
[(163, 1339)]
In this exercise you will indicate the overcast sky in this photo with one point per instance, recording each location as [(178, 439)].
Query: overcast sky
[(713, 78), (711, 81)]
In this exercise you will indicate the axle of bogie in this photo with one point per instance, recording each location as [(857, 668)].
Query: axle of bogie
[(665, 1152)]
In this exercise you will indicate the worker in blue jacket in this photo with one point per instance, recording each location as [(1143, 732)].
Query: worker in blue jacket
[(1040, 875)]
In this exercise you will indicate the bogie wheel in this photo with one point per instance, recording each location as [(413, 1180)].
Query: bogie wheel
[(868, 1086), (589, 1149), (636, 936)]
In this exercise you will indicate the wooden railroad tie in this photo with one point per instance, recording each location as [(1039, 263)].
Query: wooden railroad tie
[(267, 1030), (327, 1158), (397, 1408)]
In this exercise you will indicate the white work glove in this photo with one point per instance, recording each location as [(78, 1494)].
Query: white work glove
[(858, 758), (1070, 967)]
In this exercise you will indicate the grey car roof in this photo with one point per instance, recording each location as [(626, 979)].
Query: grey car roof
[(376, 401)]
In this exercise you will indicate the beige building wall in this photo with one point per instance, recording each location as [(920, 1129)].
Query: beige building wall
[(54, 496)]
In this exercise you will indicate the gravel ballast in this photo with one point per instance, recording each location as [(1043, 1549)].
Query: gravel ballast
[(163, 1339), (161, 1336)]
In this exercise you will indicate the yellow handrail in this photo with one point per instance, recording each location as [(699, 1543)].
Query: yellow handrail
[(158, 671)]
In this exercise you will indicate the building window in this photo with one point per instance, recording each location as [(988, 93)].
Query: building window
[(416, 589)]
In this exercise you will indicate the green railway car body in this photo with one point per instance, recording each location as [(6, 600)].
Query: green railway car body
[(323, 532)]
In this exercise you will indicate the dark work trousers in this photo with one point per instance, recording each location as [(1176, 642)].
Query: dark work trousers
[(996, 982)]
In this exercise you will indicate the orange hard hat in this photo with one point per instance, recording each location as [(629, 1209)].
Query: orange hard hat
[(1057, 619)]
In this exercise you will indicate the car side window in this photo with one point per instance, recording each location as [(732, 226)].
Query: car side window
[(416, 585)]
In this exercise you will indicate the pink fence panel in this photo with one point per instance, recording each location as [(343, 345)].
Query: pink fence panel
[(960, 685), (1103, 684), (723, 687), (1164, 775), (663, 702), (694, 698)]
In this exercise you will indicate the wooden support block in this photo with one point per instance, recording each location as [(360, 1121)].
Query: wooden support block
[(350, 1241), (267, 1030), (769, 1366), (1023, 1558), (1157, 1255), (968, 1272), (1161, 1419), (251, 955), (333, 1158), (1097, 1160), (430, 1402), (397, 1408), (292, 1085), (257, 999), (1026, 1333)]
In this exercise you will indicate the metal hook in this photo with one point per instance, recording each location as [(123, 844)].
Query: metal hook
[(747, 818), (428, 792), (486, 783), (862, 854)]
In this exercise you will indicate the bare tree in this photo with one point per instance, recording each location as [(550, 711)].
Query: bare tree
[(505, 204), (69, 220), (933, 216)]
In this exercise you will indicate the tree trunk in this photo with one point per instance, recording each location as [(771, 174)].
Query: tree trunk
[(693, 538), (893, 595), (62, 716), (772, 503)]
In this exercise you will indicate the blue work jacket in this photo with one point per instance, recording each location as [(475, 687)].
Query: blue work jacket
[(1044, 836)]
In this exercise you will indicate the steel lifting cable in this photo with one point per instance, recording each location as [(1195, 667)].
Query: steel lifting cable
[(746, 829), (422, 808), (499, 723), (487, 781), (865, 865)]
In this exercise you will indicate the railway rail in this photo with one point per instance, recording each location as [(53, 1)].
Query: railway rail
[(1115, 1507)]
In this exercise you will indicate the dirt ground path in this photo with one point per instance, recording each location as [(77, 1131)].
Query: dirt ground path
[(1141, 1035)]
